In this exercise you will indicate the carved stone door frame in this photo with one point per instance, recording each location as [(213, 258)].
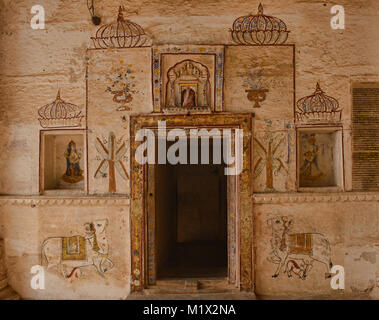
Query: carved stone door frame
[(240, 252)]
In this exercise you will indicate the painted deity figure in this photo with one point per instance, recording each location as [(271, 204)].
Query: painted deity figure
[(188, 85), (188, 98), (73, 172), (310, 169)]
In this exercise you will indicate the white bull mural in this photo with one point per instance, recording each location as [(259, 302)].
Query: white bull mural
[(302, 247), (70, 254)]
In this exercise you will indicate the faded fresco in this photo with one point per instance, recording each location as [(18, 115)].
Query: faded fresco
[(188, 86), (69, 255), (272, 162), (295, 253), (112, 153), (112, 86), (64, 160), (253, 84), (318, 158), (119, 80), (73, 172), (122, 85), (60, 113), (179, 69), (119, 84)]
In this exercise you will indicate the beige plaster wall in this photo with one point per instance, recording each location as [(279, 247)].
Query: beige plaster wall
[(349, 226), (30, 223), (35, 63)]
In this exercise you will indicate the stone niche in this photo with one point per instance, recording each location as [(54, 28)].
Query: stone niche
[(186, 80), (320, 159), (188, 86), (63, 162)]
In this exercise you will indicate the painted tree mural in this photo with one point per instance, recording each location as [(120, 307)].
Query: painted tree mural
[(111, 159), (269, 157)]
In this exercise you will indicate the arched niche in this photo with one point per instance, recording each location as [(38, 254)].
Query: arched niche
[(188, 86)]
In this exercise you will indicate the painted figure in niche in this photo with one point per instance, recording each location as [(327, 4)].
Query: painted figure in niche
[(296, 252), (73, 172), (122, 85), (71, 254), (188, 85), (188, 98), (310, 170), (269, 158), (111, 159)]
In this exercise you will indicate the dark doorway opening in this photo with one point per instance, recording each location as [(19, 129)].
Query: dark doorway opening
[(191, 220)]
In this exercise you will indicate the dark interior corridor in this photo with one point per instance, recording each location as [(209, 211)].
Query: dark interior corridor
[(191, 221)]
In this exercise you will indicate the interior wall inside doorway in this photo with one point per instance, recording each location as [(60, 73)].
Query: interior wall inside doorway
[(191, 220)]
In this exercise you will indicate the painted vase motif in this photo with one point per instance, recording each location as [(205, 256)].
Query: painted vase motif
[(256, 95)]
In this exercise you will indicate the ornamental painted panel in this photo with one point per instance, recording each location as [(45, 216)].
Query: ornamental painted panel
[(320, 157), (260, 79), (71, 254), (274, 156), (296, 249), (188, 78), (118, 80), (118, 84), (295, 253)]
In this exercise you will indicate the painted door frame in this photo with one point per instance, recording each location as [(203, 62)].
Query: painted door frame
[(243, 194)]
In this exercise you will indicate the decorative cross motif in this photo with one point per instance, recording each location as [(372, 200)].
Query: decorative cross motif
[(111, 159)]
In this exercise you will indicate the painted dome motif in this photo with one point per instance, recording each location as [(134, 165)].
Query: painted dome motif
[(121, 34), (259, 29), (59, 114), (318, 107)]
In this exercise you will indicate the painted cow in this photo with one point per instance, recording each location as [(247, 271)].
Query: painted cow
[(306, 247), (71, 253)]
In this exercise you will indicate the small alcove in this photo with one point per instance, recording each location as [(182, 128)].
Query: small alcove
[(63, 162), (320, 159)]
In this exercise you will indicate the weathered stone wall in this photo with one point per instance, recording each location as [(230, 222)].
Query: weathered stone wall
[(35, 63), (347, 221), (31, 223)]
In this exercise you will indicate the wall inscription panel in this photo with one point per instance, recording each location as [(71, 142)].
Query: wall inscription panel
[(365, 136)]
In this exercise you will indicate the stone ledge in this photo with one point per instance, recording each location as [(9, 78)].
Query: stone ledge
[(62, 201), (268, 198)]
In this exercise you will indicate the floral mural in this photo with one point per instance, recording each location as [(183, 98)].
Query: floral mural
[(122, 85)]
